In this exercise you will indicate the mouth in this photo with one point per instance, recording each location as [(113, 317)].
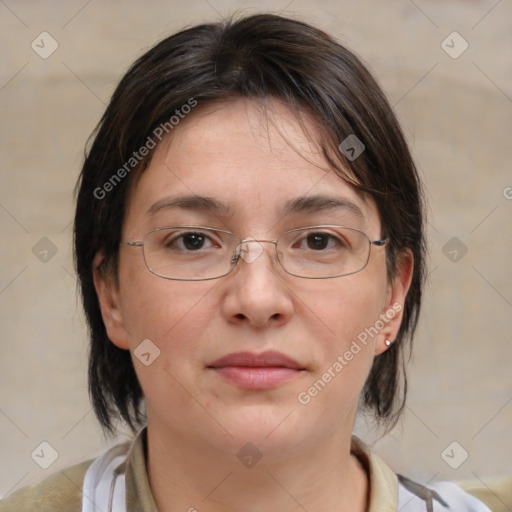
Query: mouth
[(246, 370)]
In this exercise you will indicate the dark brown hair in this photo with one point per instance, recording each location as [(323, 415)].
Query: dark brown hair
[(261, 57)]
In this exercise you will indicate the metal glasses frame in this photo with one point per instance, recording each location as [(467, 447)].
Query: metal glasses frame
[(237, 252)]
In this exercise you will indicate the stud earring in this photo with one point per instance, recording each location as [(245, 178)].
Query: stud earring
[(388, 343)]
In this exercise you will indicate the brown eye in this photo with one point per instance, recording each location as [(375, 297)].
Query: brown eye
[(317, 241), (188, 241), (193, 241)]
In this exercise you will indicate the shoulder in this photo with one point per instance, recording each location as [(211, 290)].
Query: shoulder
[(437, 497), (60, 492), (391, 491), (496, 494)]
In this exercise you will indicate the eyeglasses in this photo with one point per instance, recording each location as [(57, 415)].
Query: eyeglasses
[(196, 253)]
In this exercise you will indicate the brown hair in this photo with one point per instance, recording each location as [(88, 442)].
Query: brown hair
[(261, 56)]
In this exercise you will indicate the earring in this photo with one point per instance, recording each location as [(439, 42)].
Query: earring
[(388, 343)]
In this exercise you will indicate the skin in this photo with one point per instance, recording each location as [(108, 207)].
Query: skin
[(197, 422)]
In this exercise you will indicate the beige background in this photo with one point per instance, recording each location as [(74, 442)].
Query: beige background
[(457, 115)]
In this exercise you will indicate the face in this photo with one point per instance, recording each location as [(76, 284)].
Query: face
[(258, 355)]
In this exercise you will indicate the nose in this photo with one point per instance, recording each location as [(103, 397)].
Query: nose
[(256, 293)]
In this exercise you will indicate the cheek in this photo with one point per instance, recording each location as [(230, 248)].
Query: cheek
[(342, 308), (342, 315), (172, 314)]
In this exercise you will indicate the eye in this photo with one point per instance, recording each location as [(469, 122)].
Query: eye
[(319, 241), (189, 241), (193, 241)]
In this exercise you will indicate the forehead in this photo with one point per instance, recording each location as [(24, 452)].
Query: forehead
[(248, 162)]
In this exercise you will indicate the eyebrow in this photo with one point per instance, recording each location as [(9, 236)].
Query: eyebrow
[(320, 203), (305, 204), (191, 202)]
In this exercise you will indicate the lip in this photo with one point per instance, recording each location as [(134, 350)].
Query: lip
[(256, 371)]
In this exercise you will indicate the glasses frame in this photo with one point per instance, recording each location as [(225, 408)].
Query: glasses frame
[(140, 243)]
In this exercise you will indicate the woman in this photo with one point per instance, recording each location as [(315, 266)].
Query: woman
[(250, 247)]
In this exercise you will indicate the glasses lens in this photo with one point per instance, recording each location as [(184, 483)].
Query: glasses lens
[(189, 253), (323, 251)]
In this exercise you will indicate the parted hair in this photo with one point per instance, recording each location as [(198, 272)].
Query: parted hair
[(261, 57)]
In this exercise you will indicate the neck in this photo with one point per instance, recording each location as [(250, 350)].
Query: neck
[(187, 476)]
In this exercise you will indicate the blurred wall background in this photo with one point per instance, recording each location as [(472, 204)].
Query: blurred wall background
[(447, 70)]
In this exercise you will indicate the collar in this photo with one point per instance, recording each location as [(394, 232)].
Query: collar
[(382, 480)]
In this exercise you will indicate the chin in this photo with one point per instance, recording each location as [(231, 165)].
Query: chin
[(273, 426)]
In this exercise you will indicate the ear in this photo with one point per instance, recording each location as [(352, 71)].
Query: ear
[(108, 297), (393, 306)]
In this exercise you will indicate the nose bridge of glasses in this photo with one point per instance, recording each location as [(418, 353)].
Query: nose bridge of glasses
[(250, 253)]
